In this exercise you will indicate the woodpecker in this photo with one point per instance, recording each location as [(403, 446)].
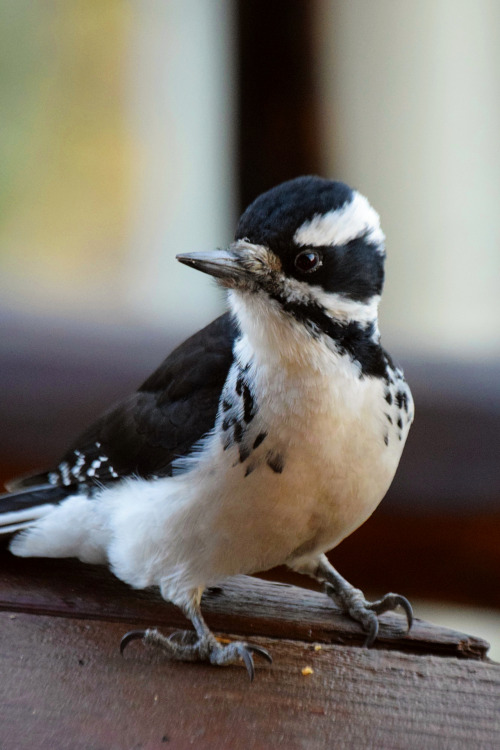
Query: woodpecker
[(264, 439)]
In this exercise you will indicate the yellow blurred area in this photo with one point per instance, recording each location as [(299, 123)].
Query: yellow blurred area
[(65, 184), (115, 153)]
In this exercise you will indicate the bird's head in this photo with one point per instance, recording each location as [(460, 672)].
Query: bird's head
[(311, 248)]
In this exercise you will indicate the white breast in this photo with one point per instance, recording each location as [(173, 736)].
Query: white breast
[(330, 428)]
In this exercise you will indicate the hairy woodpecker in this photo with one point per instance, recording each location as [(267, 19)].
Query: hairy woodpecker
[(264, 439)]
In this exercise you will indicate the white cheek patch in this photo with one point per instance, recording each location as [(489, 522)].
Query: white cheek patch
[(336, 305), (339, 227), (345, 309)]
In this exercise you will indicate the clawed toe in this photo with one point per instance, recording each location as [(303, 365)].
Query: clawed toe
[(183, 645), (366, 613), (391, 601), (187, 646), (387, 603), (372, 629), (184, 637), (236, 651), (247, 658), (261, 652), (246, 652)]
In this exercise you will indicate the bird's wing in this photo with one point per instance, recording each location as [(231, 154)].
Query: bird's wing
[(169, 413)]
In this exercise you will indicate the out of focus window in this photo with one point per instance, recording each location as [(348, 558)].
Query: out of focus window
[(116, 150)]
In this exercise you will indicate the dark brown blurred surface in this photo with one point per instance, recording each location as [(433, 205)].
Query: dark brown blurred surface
[(277, 95)]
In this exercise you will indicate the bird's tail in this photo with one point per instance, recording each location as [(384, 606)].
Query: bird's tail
[(19, 510)]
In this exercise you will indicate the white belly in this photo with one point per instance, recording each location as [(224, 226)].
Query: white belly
[(336, 468)]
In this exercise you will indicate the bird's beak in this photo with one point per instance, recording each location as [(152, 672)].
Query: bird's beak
[(222, 264)]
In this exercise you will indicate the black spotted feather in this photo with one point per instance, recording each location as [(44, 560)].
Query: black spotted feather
[(148, 430)]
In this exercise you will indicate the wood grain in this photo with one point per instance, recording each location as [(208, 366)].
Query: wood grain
[(248, 606), (65, 686)]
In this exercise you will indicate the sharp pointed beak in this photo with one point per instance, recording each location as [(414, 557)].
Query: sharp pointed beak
[(222, 264)]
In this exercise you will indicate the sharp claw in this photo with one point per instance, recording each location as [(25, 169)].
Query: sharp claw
[(372, 634), (132, 635), (405, 604), (247, 658), (261, 652), (391, 601)]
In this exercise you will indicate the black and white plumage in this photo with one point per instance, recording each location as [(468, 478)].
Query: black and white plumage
[(265, 439)]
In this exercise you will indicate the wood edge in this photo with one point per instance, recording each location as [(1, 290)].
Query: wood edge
[(277, 611)]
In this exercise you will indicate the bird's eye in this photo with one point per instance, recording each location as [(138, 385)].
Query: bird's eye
[(307, 261)]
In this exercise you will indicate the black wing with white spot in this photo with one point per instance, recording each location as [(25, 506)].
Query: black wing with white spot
[(169, 413)]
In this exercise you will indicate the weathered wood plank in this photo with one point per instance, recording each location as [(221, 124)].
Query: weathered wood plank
[(243, 605), (65, 686)]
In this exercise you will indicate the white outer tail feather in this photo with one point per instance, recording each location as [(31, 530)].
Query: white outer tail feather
[(25, 516), (71, 529)]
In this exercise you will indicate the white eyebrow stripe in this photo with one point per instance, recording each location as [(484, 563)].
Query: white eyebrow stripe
[(339, 227)]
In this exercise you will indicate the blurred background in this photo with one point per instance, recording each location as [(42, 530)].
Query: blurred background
[(131, 131)]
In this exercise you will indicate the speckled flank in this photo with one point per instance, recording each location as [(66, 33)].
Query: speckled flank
[(258, 440), (402, 400), (244, 453), (238, 409), (398, 398), (248, 404), (275, 461)]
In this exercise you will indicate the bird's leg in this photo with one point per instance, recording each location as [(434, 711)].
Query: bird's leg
[(201, 645), (352, 600)]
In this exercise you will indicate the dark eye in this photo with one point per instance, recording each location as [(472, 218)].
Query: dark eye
[(307, 261)]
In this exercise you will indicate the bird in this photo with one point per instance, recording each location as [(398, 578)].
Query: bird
[(264, 439)]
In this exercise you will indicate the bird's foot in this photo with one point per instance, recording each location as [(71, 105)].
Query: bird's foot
[(353, 602), (186, 645)]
